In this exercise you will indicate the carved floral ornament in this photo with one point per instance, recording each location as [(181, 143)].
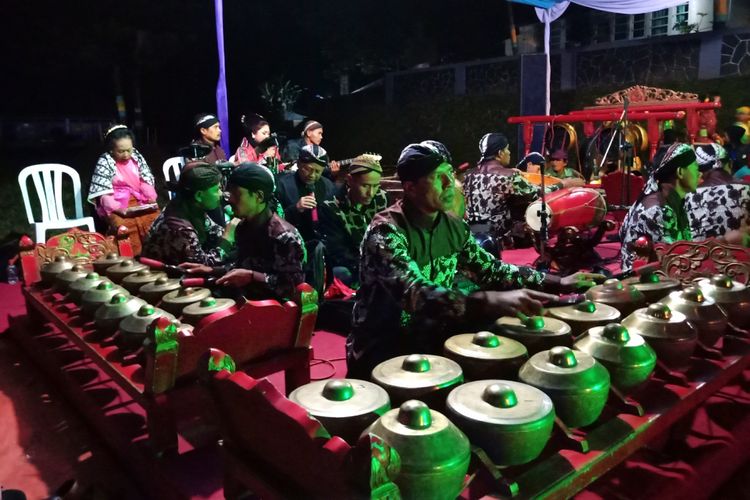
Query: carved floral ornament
[(82, 247), (641, 94), (687, 260)]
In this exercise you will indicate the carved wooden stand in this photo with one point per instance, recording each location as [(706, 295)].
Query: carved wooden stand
[(106, 383)]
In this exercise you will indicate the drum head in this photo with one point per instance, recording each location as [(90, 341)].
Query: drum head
[(534, 219)]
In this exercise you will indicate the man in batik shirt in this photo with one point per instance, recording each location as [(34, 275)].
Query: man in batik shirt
[(344, 219), (270, 252), (184, 232), (660, 211), (492, 189), (407, 301), (720, 207)]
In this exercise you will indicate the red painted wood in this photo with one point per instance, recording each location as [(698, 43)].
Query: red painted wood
[(275, 449)]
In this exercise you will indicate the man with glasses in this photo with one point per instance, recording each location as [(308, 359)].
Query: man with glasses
[(408, 301), (299, 194)]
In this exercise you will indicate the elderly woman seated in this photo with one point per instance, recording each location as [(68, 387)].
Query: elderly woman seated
[(122, 187)]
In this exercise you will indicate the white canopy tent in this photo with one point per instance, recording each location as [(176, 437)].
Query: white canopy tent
[(549, 11)]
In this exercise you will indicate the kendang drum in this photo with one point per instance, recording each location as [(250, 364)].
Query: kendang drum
[(578, 207)]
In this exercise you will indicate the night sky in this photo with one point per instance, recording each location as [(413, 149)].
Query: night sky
[(64, 54)]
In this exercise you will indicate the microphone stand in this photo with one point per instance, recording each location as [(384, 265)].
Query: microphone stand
[(619, 133), (542, 213)]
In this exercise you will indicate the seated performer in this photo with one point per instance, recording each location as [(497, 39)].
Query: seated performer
[(491, 189), (122, 179), (258, 146), (532, 163), (184, 232), (311, 135), (270, 251), (713, 164), (737, 151), (558, 168), (299, 193), (408, 302), (742, 119), (208, 133), (344, 219), (659, 212), (720, 207)]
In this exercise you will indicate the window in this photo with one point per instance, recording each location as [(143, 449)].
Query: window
[(622, 26), (628, 27), (639, 25), (660, 22), (602, 24), (557, 35), (681, 14)]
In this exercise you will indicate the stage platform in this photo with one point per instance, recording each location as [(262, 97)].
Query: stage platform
[(46, 442)]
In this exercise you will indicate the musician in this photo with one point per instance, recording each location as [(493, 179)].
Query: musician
[(532, 163), (713, 164), (407, 301), (301, 192), (208, 133), (659, 212), (558, 168), (344, 218), (738, 151), (123, 179), (492, 188), (311, 135), (270, 252), (184, 232), (742, 117), (257, 145), (720, 207)]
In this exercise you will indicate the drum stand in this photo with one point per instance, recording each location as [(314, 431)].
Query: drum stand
[(573, 249)]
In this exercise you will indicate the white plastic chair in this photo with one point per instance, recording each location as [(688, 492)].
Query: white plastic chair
[(48, 179), (172, 169)]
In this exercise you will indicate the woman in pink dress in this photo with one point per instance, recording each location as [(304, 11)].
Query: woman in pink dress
[(123, 180)]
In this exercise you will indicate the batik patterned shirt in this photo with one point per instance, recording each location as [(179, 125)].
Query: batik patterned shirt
[(715, 210), (661, 220), (174, 240), (274, 249), (343, 227), (408, 301), (488, 197)]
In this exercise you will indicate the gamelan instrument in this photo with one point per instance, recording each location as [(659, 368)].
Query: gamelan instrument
[(576, 382), (344, 406), (426, 377), (550, 183), (579, 207), (484, 355), (434, 452), (585, 315), (626, 355), (666, 331), (511, 421)]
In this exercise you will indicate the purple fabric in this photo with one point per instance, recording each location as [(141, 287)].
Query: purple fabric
[(222, 107)]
